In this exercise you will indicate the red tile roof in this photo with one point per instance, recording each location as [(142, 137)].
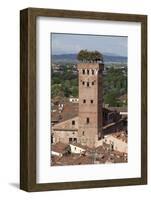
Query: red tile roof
[(59, 147)]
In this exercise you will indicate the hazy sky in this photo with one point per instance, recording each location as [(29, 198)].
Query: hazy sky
[(73, 43)]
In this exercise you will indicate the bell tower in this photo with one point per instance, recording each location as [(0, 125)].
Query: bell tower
[(90, 102)]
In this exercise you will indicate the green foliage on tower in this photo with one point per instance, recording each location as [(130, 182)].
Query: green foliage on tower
[(89, 56)]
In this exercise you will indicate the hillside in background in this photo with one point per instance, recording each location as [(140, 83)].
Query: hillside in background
[(72, 58)]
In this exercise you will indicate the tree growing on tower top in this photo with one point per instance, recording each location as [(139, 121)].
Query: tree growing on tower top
[(89, 56)]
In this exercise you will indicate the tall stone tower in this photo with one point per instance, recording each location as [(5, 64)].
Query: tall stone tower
[(90, 102)]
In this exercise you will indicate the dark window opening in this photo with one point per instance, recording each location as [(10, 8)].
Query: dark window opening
[(73, 133), (99, 72), (87, 84), (73, 122), (84, 100), (75, 140), (91, 101), (52, 139), (88, 120), (88, 71), (83, 83), (92, 71), (70, 139), (83, 133), (83, 71), (92, 82)]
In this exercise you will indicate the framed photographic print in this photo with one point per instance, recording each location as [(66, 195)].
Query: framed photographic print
[(83, 92)]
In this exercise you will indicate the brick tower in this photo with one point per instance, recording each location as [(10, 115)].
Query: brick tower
[(90, 102)]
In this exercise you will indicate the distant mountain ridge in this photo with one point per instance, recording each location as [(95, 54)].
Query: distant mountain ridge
[(72, 58)]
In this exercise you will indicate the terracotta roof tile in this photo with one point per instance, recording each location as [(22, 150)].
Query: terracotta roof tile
[(59, 147)]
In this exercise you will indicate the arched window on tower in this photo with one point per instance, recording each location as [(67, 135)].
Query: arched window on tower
[(87, 120), (92, 82), (88, 71), (92, 72), (87, 84), (91, 101), (83, 71)]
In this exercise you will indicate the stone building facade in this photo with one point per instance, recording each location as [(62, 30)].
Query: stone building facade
[(66, 131), (86, 128)]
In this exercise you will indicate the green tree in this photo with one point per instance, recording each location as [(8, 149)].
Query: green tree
[(111, 99), (74, 91), (89, 56), (56, 90), (114, 85), (82, 55)]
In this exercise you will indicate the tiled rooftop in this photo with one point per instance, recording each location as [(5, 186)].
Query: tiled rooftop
[(70, 110), (59, 147), (121, 136), (99, 155)]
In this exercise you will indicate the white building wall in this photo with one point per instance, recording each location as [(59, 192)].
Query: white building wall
[(118, 144), (75, 149), (54, 153)]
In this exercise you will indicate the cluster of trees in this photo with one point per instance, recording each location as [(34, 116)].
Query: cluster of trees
[(114, 86), (89, 56), (64, 85)]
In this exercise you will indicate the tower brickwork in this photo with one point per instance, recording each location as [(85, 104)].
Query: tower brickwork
[(90, 102)]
